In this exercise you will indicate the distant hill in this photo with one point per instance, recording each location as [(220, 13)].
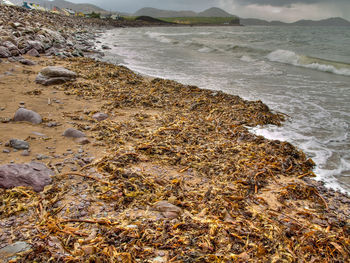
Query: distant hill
[(214, 12), (153, 12), (85, 8), (334, 21)]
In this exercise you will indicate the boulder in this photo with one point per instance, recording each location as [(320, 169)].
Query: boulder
[(37, 45), (19, 144), (33, 52), (27, 115), (35, 175), (100, 116), (73, 133), (4, 52), (54, 75), (12, 48)]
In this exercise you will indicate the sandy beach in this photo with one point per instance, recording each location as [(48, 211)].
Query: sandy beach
[(164, 172)]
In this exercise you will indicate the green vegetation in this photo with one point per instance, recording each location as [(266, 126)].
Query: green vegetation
[(201, 20), (94, 15)]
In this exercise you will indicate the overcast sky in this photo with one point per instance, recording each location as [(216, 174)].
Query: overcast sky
[(284, 10)]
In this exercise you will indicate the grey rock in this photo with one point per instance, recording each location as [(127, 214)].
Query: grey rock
[(26, 62), (56, 71), (54, 75), (27, 115), (52, 124), (73, 133), (35, 175), (4, 52), (33, 52), (6, 151), (41, 157), (12, 48), (19, 144), (100, 116), (105, 47), (37, 45), (6, 253)]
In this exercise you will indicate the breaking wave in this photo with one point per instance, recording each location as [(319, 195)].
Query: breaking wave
[(292, 58)]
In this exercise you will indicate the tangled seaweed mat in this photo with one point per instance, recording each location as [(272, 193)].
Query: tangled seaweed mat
[(238, 197)]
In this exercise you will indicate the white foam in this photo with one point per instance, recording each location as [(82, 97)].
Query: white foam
[(247, 59), (159, 37), (205, 50), (292, 58)]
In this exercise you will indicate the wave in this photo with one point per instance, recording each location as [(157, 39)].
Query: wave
[(292, 58), (159, 37)]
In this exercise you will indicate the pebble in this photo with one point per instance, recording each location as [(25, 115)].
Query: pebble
[(6, 151), (25, 153)]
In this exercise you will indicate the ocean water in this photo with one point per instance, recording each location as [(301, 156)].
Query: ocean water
[(303, 72)]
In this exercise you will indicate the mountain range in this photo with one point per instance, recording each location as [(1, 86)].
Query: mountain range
[(334, 21)]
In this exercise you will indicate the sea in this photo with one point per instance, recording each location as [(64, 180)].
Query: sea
[(302, 72)]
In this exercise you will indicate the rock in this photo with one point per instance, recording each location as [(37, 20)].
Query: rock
[(54, 75), (4, 52), (105, 47), (6, 151), (25, 153), (27, 115), (35, 175), (82, 141), (37, 45), (6, 253), (26, 62), (12, 48), (100, 116), (73, 133), (167, 209), (52, 124), (19, 144), (33, 52)]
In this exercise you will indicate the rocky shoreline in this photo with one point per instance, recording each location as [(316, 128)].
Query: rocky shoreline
[(109, 166)]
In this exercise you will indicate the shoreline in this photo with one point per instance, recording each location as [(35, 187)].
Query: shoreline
[(175, 176)]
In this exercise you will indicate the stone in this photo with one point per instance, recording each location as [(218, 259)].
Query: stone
[(82, 141), (6, 151), (37, 45), (12, 48), (19, 144), (25, 153), (100, 116), (4, 52), (73, 133), (27, 115), (167, 209), (33, 52), (8, 252), (54, 75), (105, 47), (26, 62), (34, 174)]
